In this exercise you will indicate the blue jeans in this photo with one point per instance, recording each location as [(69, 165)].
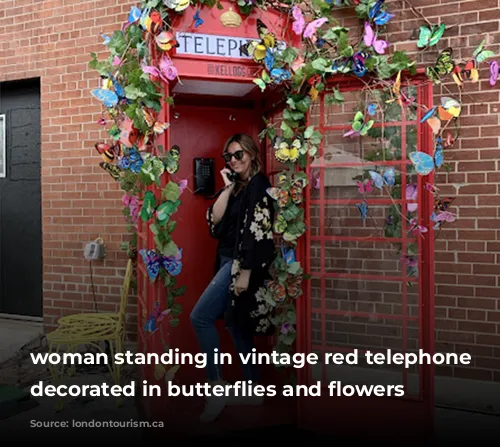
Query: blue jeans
[(211, 305)]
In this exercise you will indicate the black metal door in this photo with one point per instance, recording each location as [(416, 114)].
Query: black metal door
[(20, 200)]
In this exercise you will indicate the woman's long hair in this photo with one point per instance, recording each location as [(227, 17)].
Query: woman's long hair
[(250, 147)]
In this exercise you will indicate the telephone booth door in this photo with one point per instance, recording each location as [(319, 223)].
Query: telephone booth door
[(371, 285), (214, 98)]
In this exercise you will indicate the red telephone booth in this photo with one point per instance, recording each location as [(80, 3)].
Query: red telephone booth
[(363, 294), (214, 98), (356, 295)]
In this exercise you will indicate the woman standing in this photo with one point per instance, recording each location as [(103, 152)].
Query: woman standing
[(242, 221)]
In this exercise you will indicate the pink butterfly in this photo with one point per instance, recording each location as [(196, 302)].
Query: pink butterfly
[(417, 229), (371, 40), (183, 185), (493, 72), (365, 187), (315, 179), (410, 261), (166, 70), (445, 216), (299, 24), (411, 194)]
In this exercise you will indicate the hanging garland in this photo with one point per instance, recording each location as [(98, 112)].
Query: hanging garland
[(132, 92)]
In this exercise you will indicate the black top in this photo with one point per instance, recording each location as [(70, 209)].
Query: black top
[(246, 233), (227, 242)]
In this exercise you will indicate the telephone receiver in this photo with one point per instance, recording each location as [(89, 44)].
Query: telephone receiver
[(232, 176)]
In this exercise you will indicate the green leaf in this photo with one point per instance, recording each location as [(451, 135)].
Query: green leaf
[(169, 249), (287, 131), (171, 191), (174, 322)]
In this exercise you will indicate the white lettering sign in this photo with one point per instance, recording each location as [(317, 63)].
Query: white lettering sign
[(212, 45)]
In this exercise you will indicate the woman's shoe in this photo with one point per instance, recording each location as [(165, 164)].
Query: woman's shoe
[(213, 408)]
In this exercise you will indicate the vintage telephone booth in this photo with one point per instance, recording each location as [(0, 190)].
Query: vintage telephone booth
[(355, 285), (213, 99)]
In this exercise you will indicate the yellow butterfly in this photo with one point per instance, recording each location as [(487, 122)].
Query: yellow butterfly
[(286, 153), (258, 50)]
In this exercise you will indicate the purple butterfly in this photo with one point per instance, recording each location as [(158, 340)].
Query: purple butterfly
[(154, 261)]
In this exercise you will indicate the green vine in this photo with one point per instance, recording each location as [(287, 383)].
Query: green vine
[(132, 93)]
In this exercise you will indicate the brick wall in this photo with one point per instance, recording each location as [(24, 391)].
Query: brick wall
[(52, 40)]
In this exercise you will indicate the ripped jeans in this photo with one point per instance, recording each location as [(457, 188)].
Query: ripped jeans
[(210, 306)]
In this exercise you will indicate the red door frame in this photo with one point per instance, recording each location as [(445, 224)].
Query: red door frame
[(316, 413)]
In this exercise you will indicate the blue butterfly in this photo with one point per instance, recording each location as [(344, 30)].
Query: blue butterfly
[(388, 179), (288, 256), (154, 261), (279, 75), (108, 97), (269, 60), (106, 39), (150, 325), (134, 15), (363, 210), (372, 108), (132, 161), (197, 19), (380, 17), (425, 163)]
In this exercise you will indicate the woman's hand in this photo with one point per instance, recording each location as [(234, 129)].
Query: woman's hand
[(224, 174), (242, 282)]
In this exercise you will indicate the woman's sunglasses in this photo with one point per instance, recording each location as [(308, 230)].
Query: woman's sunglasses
[(238, 155)]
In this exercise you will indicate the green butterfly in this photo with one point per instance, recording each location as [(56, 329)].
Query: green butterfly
[(444, 66), (430, 36), (480, 54), (359, 126)]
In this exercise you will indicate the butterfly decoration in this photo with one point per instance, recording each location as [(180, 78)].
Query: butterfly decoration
[(113, 170), (157, 126), (397, 95), (378, 16), (313, 82), (172, 158), (198, 21), (166, 70), (132, 161), (183, 184), (299, 26), (444, 66), (155, 317), (442, 204), (359, 126), (288, 255), (107, 152), (416, 229), (467, 71), (358, 63), (111, 92), (494, 72), (370, 39), (442, 217), (176, 5), (371, 109), (165, 211), (154, 261), (424, 163), (315, 179), (258, 49), (286, 153), (388, 179), (166, 42), (134, 17), (411, 194), (365, 187), (282, 196), (430, 35), (132, 203), (363, 210), (152, 21), (450, 108)]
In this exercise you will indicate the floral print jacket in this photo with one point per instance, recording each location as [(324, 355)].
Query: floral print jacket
[(255, 251)]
